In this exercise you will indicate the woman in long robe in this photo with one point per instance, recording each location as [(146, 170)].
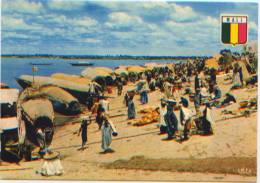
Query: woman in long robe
[(107, 129), (131, 108)]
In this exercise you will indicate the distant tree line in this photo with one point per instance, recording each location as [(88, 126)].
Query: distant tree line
[(104, 57)]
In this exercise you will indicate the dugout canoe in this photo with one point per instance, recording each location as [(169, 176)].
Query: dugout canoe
[(80, 91), (35, 112), (101, 75), (62, 101), (8, 101)]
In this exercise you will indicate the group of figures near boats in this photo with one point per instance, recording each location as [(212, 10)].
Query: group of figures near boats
[(44, 96)]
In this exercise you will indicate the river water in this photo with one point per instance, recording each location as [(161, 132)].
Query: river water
[(14, 67)]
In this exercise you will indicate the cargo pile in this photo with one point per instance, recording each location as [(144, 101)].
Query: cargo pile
[(149, 116)]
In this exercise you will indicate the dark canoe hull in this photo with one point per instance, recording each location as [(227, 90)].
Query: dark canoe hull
[(40, 64), (9, 146), (8, 110), (81, 64), (73, 108), (81, 96)]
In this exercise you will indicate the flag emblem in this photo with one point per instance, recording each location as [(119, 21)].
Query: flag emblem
[(234, 29)]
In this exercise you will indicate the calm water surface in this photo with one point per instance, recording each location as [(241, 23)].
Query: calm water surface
[(14, 67)]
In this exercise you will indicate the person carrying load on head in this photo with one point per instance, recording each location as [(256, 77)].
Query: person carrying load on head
[(185, 117)]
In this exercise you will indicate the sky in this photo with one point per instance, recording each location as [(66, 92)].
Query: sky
[(113, 27)]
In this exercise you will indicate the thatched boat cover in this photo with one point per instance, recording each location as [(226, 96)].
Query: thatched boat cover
[(44, 80), (94, 72), (212, 63), (152, 65), (120, 71), (8, 123), (57, 94), (135, 68), (72, 78), (39, 107), (9, 95)]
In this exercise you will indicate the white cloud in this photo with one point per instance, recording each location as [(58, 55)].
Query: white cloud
[(65, 5), (122, 19), (11, 23), (21, 6), (183, 13), (62, 20)]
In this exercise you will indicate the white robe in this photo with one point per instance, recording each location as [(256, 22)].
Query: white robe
[(52, 167), (107, 135), (210, 119), (163, 111)]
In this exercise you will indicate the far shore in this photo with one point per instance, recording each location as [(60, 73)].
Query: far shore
[(98, 57)]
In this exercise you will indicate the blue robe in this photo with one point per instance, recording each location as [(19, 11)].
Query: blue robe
[(171, 122), (144, 97), (106, 136), (131, 109)]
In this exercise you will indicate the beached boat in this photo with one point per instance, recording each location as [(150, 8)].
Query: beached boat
[(102, 75), (35, 121), (8, 101), (80, 91), (81, 63), (63, 102), (9, 139)]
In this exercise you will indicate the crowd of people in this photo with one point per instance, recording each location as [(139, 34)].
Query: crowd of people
[(177, 89)]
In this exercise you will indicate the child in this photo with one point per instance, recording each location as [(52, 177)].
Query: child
[(83, 130)]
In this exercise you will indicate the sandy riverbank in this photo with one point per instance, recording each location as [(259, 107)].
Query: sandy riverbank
[(233, 138)]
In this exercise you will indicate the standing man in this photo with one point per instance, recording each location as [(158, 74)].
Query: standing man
[(185, 117), (171, 120), (162, 112), (105, 104), (83, 130), (131, 108)]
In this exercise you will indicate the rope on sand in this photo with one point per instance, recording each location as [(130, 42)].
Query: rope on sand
[(98, 142), (14, 169)]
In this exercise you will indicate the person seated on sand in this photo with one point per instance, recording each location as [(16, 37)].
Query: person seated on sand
[(204, 92), (85, 121), (185, 117), (51, 165), (216, 93), (228, 100), (108, 129), (171, 119), (207, 122)]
